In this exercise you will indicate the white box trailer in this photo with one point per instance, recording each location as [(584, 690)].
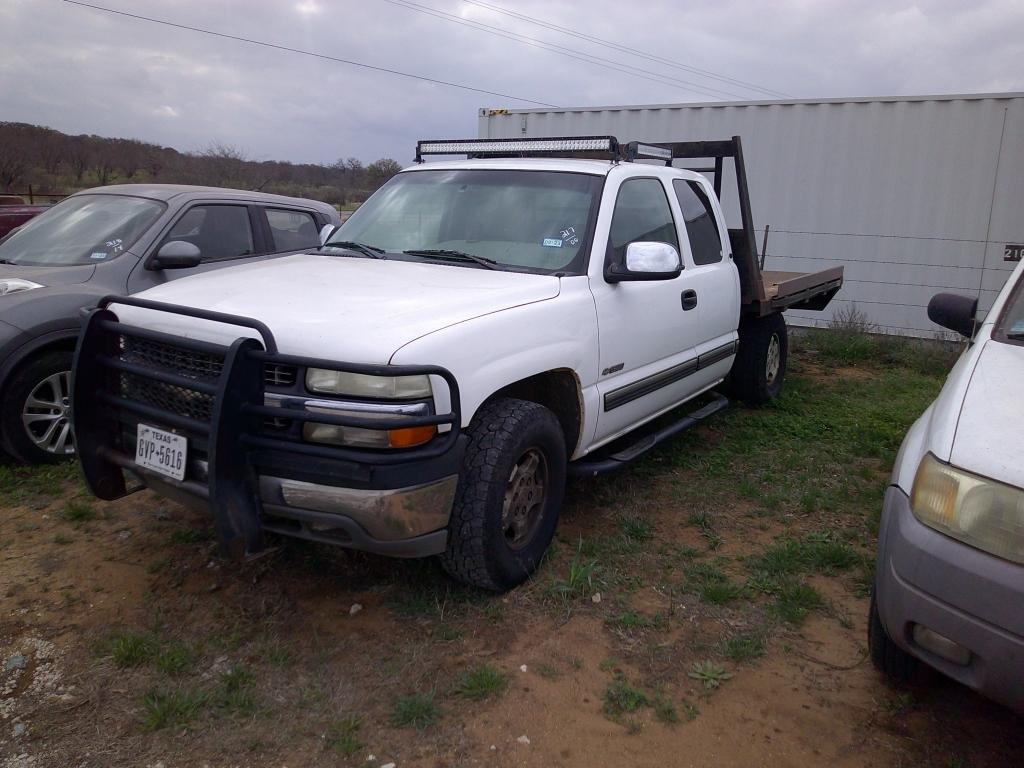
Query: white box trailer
[(913, 195)]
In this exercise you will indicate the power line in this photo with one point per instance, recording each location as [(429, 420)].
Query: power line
[(309, 53), (572, 53), (627, 49)]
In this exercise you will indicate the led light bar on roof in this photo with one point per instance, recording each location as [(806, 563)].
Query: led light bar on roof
[(652, 151), (560, 146)]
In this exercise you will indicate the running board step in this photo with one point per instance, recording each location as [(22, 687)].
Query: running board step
[(633, 451)]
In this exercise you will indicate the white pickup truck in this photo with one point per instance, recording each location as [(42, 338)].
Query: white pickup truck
[(423, 383)]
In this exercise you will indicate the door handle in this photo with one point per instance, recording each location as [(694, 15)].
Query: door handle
[(689, 300)]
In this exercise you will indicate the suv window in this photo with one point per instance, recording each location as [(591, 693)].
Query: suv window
[(292, 230), (701, 228), (218, 231), (641, 214)]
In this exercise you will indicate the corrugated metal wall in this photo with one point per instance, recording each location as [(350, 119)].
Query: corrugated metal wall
[(913, 195)]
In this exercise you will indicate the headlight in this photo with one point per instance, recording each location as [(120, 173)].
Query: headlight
[(16, 285), (983, 513), (324, 381)]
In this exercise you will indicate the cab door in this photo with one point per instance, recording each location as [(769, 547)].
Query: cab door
[(647, 330), (713, 278)]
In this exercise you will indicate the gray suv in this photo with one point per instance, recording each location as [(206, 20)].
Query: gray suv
[(116, 240)]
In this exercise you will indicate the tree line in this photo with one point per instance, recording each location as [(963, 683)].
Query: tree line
[(55, 163)]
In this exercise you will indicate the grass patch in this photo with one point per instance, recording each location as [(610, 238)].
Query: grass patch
[(665, 710), (189, 536), (62, 539), (481, 683), (745, 647), (235, 691), (580, 578), (78, 511), (418, 710), (721, 592), (795, 600), (128, 648), (631, 620), (175, 659), (342, 736), (163, 709), (621, 698), (20, 484)]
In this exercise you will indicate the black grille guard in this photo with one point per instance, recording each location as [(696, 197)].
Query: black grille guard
[(234, 437)]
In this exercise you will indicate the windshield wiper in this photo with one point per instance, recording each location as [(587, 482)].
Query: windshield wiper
[(448, 255), (371, 251), (1015, 335)]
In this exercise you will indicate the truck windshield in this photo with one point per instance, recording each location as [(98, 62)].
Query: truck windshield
[(85, 229), (531, 221)]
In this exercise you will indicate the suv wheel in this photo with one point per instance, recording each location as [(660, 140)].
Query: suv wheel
[(509, 497), (887, 657), (36, 413), (760, 364)]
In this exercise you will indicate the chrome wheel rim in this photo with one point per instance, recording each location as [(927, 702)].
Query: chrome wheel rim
[(46, 415), (771, 369), (525, 494)]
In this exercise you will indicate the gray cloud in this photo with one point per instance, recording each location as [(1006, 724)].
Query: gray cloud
[(82, 71)]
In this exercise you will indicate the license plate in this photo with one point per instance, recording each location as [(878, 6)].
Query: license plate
[(161, 451)]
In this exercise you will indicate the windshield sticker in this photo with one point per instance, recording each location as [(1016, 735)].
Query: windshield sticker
[(552, 242), (98, 255), (570, 237), (115, 245)]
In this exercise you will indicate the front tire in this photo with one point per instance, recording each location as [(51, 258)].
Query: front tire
[(760, 364), (887, 657), (36, 410), (509, 497)]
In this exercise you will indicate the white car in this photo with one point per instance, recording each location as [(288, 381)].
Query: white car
[(949, 583), (422, 383)]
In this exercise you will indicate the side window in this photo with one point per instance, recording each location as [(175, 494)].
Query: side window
[(641, 214), (701, 228), (218, 231), (292, 230)]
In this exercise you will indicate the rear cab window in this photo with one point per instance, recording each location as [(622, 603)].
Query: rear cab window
[(699, 219), (292, 230)]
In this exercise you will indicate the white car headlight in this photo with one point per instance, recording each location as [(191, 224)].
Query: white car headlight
[(328, 382), (16, 285), (980, 512)]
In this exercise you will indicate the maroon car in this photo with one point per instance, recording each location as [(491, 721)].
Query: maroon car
[(14, 212)]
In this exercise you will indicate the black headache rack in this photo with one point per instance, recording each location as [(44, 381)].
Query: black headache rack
[(761, 292), (216, 397)]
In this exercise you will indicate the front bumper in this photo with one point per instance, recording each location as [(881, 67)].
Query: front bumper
[(965, 595), (248, 464)]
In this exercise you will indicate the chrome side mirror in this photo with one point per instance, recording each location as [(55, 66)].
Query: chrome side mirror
[(646, 261), (325, 232)]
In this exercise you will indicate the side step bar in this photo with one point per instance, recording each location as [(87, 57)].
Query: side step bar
[(628, 454)]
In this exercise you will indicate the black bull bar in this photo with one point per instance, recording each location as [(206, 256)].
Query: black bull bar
[(234, 437)]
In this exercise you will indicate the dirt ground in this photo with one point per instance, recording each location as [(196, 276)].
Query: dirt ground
[(127, 641)]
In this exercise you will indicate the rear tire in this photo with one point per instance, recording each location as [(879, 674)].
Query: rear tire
[(760, 364), (889, 658), (35, 412), (509, 496)]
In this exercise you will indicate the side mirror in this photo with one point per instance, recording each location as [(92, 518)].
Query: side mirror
[(954, 312), (646, 261), (177, 254), (326, 232)]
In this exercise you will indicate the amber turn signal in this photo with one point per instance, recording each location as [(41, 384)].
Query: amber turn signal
[(411, 436)]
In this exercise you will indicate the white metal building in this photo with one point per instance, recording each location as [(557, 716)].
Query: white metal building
[(914, 195)]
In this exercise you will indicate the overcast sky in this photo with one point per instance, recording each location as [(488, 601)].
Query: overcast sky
[(82, 70)]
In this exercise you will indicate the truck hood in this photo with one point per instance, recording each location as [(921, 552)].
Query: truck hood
[(989, 436), (339, 308)]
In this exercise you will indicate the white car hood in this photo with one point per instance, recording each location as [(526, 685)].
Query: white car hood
[(989, 436), (336, 307)]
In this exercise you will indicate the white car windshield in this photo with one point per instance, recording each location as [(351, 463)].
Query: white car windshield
[(84, 229), (535, 221), (1011, 324)]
